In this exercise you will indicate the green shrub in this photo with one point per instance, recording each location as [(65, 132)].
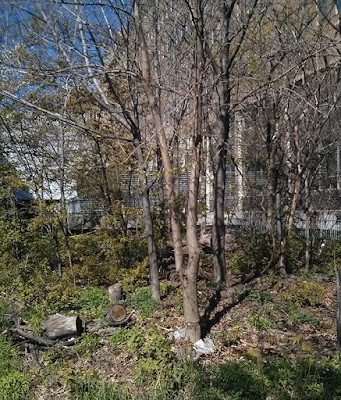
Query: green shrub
[(35, 315), (153, 353), (305, 294), (242, 292), (106, 256), (296, 251), (6, 312), (62, 295), (260, 323), (299, 318), (92, 302), (253, 254)]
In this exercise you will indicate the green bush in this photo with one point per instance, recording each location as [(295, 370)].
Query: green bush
[(305, 294), (6, 312), (92, 302), (104, 256), (296, 251), (253, 254), (153, 353)]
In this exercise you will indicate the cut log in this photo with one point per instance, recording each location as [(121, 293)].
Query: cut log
[(115, 293), (116, 315), (59, 326)]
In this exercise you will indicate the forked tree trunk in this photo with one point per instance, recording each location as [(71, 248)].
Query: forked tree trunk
[(188, 276)]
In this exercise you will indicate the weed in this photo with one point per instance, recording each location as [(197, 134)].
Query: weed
[(241, 292), (87, 345), (119, 337), (89, 387), (14, 385), (260, 323), (142, 301), (233, 336), (5, 314)]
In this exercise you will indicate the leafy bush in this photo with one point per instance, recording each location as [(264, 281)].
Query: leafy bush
[(103, 257), (241, 292), (296, 251), (260, 323), (297, 316), (92, 302), (253, 255), (6, 312), (305, 294), (62, 295)]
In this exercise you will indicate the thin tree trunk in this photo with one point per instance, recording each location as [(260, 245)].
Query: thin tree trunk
[(221, 135), (191, 310), (149, 228), (338, 306), (163, 143)]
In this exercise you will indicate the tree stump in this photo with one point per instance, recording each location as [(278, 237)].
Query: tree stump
[(115, 293), (116, 315), (59, 326)]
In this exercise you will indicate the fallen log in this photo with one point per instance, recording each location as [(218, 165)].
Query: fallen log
[(60, 326), (40, 340)]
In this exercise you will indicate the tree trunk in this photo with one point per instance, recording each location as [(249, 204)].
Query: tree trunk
[(191, 310), (115, 293), (163, 143), (116, 315), (221, 135), (338, 307), (149, 228)]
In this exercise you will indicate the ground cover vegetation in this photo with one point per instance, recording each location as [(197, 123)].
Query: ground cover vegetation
[(190, 151)]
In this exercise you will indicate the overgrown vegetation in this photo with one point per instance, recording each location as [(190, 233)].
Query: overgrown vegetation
[(159, 369)]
